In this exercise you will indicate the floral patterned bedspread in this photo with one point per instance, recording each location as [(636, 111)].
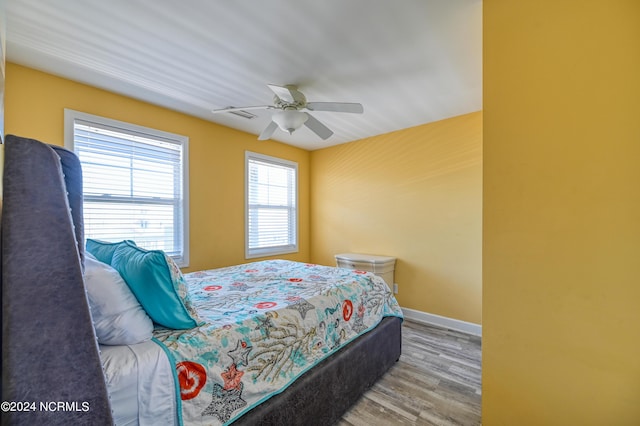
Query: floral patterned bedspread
[(266, 323)]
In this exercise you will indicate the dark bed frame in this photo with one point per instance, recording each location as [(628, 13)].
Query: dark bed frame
[(49, 349)]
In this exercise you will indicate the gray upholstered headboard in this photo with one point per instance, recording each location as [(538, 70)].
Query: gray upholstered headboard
[(49, 350)]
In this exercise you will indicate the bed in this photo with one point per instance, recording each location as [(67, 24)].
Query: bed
[(55, 371)]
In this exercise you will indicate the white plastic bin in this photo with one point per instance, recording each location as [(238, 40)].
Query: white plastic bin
[(383, 266)]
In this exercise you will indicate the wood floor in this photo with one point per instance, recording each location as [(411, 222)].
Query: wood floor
[(436, 382)]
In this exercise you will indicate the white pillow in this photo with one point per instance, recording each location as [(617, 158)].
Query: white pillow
[(118, 318)]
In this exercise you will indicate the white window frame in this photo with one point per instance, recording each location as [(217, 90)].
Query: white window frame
[(70, 118), (278, 249)]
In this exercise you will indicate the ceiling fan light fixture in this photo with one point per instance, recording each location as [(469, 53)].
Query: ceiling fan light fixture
[(289, 120), (291, 106)]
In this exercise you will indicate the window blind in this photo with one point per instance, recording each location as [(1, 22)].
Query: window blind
[(133, 186), (271, 206)]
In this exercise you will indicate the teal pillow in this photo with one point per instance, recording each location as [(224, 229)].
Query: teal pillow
[(158, 284), (103, 250)]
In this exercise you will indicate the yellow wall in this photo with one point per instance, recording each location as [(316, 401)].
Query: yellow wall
[(34, 108), (414, 194), (561, 197)]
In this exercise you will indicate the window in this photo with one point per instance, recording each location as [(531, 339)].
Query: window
[(271, 210), (134, 183)]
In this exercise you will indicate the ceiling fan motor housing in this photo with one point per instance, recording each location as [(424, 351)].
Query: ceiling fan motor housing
[(296, 101)]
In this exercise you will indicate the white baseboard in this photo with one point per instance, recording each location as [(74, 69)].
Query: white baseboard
[(450, 323)]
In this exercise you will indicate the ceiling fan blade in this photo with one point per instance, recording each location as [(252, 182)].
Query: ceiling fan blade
[(336, 107), (286, 93), (268, 131), (233, 109), (317, 127)]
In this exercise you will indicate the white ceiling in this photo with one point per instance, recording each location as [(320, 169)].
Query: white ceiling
[(408, 62)]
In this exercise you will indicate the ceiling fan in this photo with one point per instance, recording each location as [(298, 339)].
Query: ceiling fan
[(291, 114)]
